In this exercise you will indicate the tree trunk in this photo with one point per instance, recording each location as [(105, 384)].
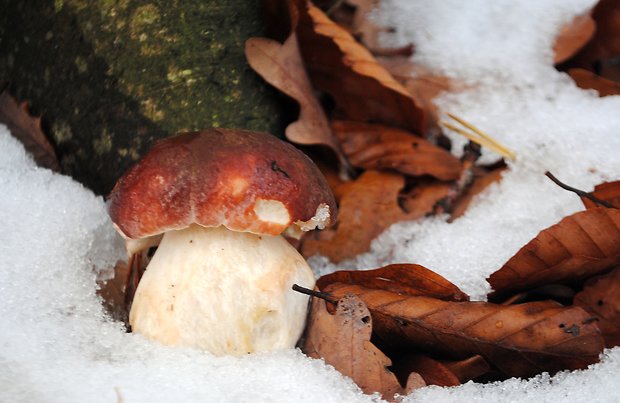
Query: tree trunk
[(112, 76)]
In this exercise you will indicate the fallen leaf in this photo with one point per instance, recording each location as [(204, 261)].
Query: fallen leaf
[(112, 293), (362, 89), (519, 340), (606, 40), (281, 66), (469, 368), (579, 246), (422, 83), (343, 341), (590, 81), (573, 36), (372, 146), (422, 199), (601, 298), (432, 371), (365, 211), (27, 129), (607, 191), (482, 180), (402, 279)]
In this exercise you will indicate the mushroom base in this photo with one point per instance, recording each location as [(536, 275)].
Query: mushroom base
[(222, 291)]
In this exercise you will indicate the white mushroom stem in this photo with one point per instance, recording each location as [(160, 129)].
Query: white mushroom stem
[(222, 291)]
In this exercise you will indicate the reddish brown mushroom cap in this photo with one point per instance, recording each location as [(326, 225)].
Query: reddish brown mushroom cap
[(246, 181)]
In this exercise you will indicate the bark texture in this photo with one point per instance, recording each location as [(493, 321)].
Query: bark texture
[(111, 77)]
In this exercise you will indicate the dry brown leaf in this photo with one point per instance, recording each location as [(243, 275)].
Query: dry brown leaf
[(372, 146), (362, 88), (281, 66), (601, 298), (422, 83), (590, 81), (369, 206), (607, 191), (469, 368), (579, 246), (519, 340), (606, 40), (27, 129), (402, 279), (422, 199), (343, 341), (573, 36), (432, 371), (112, 292), (482, 180)]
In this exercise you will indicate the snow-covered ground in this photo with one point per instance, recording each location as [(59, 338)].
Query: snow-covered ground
[(57, 345)]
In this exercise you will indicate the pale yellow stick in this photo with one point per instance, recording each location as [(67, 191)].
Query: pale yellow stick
[(483, 139)]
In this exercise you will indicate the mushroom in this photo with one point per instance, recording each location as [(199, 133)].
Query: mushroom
[(222, 274)]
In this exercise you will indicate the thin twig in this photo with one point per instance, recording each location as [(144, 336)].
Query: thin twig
[(322, 295), (579, 192)]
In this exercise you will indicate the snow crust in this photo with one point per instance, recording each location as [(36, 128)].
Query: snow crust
[(57, 345)]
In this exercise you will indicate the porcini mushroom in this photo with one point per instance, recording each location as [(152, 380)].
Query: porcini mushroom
[(222, 274)]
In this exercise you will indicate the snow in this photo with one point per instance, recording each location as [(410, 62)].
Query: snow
[(57, 344)]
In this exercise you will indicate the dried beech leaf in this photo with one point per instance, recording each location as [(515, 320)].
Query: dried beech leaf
[(432, 371), (362, 88), (422, 199), (403, 279), (579, 246), (281, 66), (601, 298), (573, 36), (27, 129), (112, 292), (365, 211), (343, 341), (482, 180), (468, 369), (519, 340), (606, 40), (590, 81), (607, 191), (371, 146), (422, 83)]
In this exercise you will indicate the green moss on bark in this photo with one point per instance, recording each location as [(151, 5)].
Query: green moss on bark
[(112, 76)]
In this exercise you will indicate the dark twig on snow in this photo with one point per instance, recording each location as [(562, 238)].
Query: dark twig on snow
[(579, 192)]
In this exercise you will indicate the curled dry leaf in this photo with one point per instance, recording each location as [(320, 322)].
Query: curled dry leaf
[(362, 88), (281, 66), (518, 340), (432, 371), (573, 36), (422, 83), (606, 40), (590, 81), (343, 341), (469, 368), (402, 279), (601, 298), (607, 191), (112, 292), (27, 129), (482, 179), (368, 207), (579, 246), (372, 146)]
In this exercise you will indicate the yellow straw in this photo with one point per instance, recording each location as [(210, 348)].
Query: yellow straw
[(479, 137)]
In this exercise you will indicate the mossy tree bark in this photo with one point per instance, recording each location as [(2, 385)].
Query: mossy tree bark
[(112, 76)]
